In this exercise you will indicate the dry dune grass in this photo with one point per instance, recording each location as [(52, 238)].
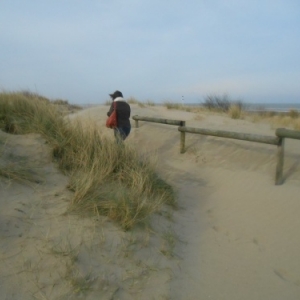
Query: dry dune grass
[(289, 120), (51, 250), (113, 179), (235, 111), (285, 121), (49, 254), (105, 177)]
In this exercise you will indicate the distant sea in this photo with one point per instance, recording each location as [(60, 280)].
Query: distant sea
[(276, 107)]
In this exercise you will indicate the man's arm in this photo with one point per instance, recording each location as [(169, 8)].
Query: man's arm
[(110, 109)]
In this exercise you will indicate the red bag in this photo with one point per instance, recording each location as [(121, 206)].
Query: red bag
[(111, 122)]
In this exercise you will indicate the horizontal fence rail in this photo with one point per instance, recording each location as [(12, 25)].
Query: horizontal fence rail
[(286, 133), (232, 135), (278, 140), (157, 120)]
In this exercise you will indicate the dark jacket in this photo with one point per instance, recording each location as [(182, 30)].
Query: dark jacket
[(123, 112)]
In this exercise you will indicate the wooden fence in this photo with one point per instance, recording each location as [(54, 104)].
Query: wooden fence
[(157, 120), (282, 134), (278, 140)]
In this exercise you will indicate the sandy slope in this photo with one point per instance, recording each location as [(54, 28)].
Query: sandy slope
[(238, 233)]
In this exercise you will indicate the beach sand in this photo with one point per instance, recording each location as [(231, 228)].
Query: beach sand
[(235, 234)]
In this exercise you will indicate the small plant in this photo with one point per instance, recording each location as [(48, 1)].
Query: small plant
[(269, 114), (141, 105), (79, 282), (297, 124), (64, 248), (218, 103), (173, 105), (294, 114), (60, 102), (150, 103), (168, 246), (36, 96), (132, 100), (279, 120), (235, 112), (222, 103), (19, 173)]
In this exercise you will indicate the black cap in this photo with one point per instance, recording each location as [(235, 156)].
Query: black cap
[(116, 94)]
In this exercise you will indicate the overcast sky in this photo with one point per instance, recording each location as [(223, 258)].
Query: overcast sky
[(157, 50)]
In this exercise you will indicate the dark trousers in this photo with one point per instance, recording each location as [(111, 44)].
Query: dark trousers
[(121, 133)]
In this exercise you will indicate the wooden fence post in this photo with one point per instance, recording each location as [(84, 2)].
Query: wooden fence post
[(182, 139), (280, 156)]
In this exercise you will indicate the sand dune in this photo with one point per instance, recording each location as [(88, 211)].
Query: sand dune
[(237, 233)]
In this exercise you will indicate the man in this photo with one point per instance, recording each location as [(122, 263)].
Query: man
[(123, 111)]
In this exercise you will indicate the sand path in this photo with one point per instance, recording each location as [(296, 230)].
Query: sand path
[(239, 232)]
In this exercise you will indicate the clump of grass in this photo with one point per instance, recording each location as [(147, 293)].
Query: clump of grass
[(173, 105), (289, 120), (269, 114), (31, 95), (141, 104), (60, 102), (132, 100), (294, 114), (105, 177), (114, 180), (178, 106), (235, 111), (217, 103), (285, 121), (64, 105), (18, 170), (221, 103), (150, 103), (168, 246), (297, 124), (20, 114)]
